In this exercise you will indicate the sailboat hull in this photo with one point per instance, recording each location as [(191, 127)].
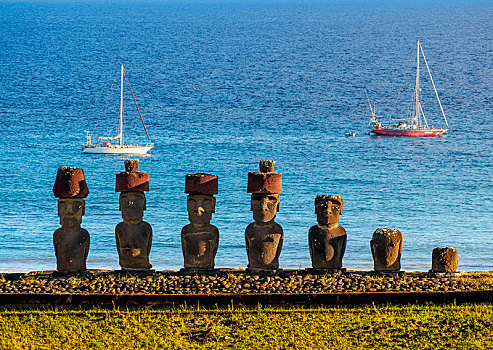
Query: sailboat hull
[(116, 149), (410, 133)]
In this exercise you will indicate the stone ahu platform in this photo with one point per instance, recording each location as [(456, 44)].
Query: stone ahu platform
[(226, 287)]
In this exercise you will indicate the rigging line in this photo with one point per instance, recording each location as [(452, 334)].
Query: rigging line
[(409, 62), (411, 110), (436, 93), (138, 109), (371, 109), (423, 114)]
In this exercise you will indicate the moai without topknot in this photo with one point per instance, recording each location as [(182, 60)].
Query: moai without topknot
[(444, 260), (386, 248), (133, 235), (200, 239), (264, 236), (327, 240), (71, 241)]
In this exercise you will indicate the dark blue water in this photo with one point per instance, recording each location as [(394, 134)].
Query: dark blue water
[(223, 84)]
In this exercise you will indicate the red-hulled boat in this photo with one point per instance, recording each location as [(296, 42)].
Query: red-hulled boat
[(416, 125), (430, 132)]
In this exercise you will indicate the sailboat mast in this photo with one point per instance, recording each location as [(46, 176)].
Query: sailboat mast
[(416, 118), (121, 107)]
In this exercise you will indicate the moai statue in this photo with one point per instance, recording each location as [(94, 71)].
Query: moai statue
[(71, 241), (264, 236), (200, 239), (445, 260), (133, 235), (327, 240), (386, 248)]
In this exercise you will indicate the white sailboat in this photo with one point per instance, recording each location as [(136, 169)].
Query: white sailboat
[(120, 148)]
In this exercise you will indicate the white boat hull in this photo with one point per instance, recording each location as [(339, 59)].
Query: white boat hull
[(116, 149)]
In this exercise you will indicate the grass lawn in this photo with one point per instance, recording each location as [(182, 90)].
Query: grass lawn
[(395, 327)]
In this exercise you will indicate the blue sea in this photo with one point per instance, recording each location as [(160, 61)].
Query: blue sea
[(222, 84)]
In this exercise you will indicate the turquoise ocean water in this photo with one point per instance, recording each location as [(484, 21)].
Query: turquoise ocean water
[(223, 84)]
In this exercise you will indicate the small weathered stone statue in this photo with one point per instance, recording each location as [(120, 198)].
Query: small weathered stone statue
[(71, 241), (264, 237), (200, 239), (133, 235), (386, 248), (327, 240), (445, 260)]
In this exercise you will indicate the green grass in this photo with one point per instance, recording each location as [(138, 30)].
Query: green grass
[(410, 327)]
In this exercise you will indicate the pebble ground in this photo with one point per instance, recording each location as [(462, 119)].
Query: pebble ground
[(227, 282)]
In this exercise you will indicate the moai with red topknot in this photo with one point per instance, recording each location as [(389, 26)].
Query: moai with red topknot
[(200, 239), (264, 236), (327, 240), (71, 241), (133, 235)]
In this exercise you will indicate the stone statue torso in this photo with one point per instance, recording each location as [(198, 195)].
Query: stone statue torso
[(71, 249), (199, 245), (264, 243), (327, 246), (133, 243)]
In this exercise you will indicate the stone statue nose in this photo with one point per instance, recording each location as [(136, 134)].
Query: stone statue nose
[(264, 204), (329, 208)]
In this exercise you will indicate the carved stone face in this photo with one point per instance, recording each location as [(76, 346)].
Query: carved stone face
[(328, 212), (132, 205), (70, 211), (265, 207), (385, 248), (200, 208)]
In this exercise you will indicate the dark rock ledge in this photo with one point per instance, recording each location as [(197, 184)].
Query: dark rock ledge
[(234, 281)]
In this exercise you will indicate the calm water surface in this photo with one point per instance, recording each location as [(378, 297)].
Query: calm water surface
[(223, 84)]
